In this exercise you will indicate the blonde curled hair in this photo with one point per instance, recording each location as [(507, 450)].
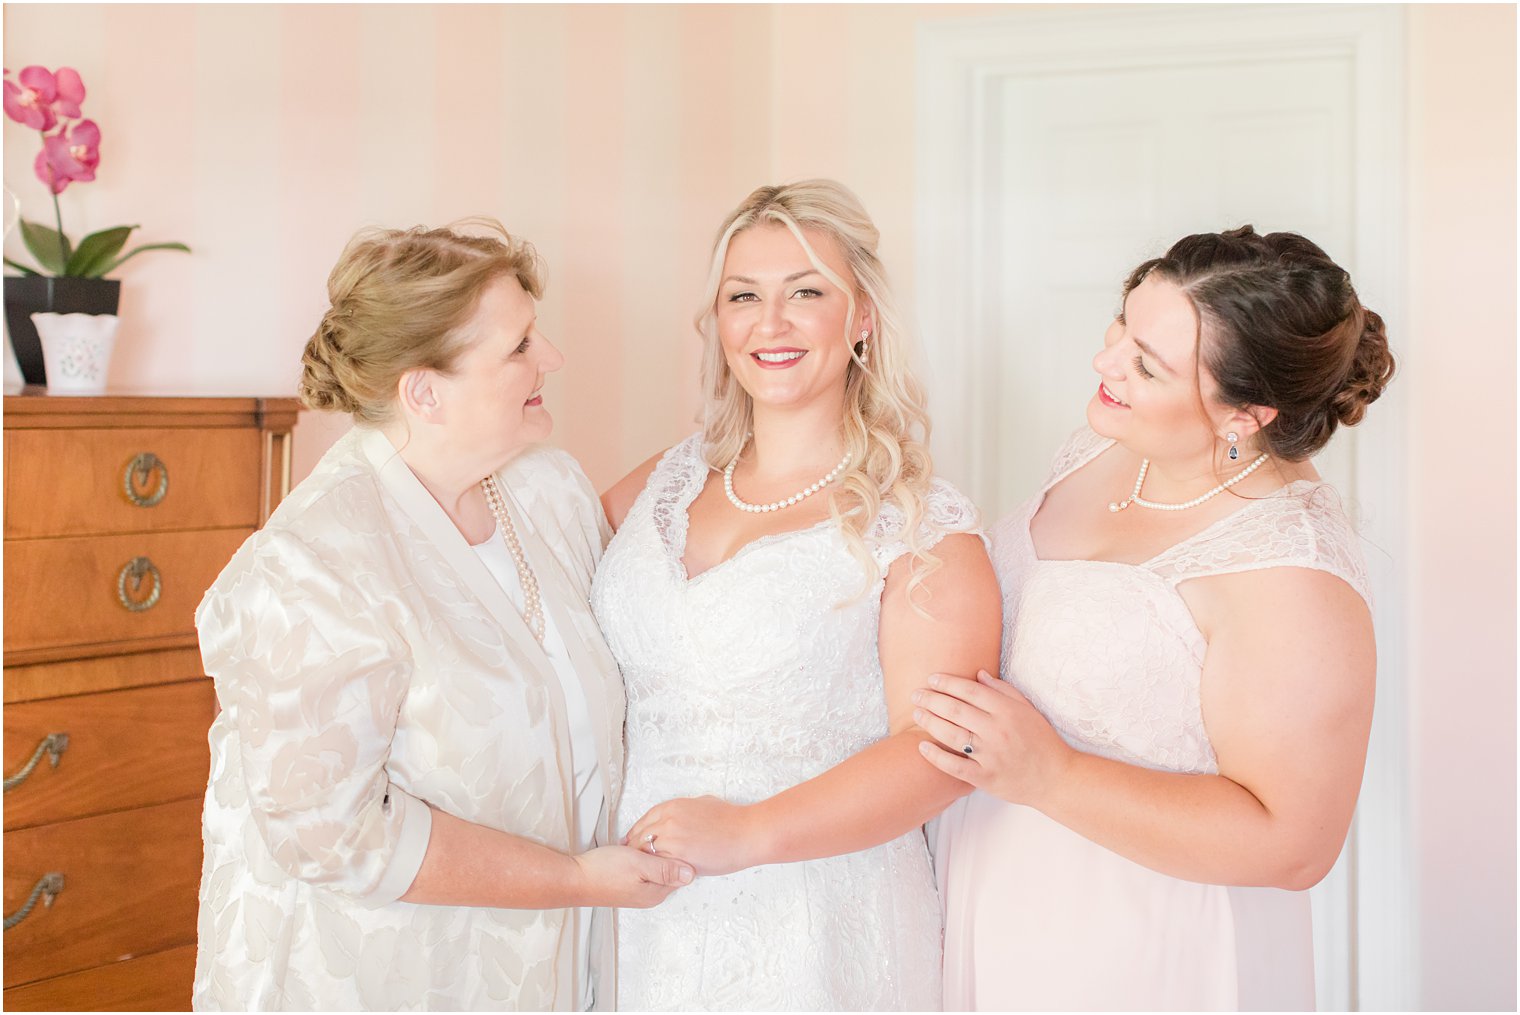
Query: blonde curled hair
[(885, 426), (398, 298)]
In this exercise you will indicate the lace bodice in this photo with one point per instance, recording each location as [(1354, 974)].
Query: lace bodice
[(744, 681), (1109, 652)]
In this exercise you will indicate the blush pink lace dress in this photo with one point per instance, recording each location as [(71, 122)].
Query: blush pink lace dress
[(1038, 917)]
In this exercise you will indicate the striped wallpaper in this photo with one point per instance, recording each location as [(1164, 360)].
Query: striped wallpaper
[(614, 137)]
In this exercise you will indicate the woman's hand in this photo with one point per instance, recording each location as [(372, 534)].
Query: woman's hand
[(625, 878), (713, 835), (1015, 753)]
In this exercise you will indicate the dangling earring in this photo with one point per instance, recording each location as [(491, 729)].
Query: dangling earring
[(1232, 437), (863, 347)]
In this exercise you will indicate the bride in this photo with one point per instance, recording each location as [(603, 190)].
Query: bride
[(778, 586)]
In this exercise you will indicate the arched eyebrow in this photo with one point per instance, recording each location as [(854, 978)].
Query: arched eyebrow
[(1155, 356), (790, 278)]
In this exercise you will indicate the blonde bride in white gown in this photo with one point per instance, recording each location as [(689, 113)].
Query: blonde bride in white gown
[(778, 585)]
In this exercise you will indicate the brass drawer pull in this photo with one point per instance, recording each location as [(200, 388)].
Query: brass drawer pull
[(135, 570), (47, 889), (53, 745), (139, 474)]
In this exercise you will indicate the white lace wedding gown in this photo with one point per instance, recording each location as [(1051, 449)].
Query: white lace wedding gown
[(742, 682), (1040, 918)]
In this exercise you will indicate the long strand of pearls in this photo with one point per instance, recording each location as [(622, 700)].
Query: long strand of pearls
[(533, 607), (1135, 498), (785, 502)]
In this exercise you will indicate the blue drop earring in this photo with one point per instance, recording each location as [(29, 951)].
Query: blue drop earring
[(1232, 437)]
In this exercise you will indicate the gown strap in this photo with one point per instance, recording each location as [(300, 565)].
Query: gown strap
[(1302, 525), (1080, 448)]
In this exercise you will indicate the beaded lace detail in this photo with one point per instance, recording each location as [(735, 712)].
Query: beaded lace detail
[(1109, 652), (743, 681)]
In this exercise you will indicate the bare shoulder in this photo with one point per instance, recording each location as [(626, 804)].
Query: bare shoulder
[(619, 497), (962, 591), (1276, 599), (951, 622)]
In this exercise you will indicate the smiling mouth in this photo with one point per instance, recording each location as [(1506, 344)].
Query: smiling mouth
[(537, 398), (787, 356), (1103, 388)]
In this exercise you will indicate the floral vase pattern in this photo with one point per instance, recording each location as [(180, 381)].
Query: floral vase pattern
[(76, 349)]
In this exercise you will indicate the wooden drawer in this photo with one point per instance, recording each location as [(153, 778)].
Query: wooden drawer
[(125, 749), (101, 673), (63, 593), (131, 887), (160, 982), (74, 482)]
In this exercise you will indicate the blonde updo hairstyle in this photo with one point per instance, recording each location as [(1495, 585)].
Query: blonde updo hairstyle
[(885, 427), (399, 298)]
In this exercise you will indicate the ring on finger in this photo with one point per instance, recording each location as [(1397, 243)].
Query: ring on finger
[(968, 750), (649, 843)]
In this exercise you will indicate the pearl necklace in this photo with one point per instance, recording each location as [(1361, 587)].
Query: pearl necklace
[(533, 609), (1145, 464), (777, 505)]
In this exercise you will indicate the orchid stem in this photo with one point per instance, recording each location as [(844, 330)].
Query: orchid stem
[(63, 253), (58, 217)]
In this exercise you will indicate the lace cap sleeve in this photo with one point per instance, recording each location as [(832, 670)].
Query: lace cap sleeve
[(946, 511), (1079, 449), (1302, 525)]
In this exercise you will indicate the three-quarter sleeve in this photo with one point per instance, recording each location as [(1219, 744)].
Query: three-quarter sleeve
[(314, 676)]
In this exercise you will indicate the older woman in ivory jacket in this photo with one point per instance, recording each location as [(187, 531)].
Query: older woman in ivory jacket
[(420, 740)]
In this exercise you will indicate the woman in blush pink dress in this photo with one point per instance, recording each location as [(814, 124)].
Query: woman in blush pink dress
[(1188, 654)]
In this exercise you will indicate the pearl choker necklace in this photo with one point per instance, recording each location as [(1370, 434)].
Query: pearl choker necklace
[(785, 502), (533, 609), (1145, 464)]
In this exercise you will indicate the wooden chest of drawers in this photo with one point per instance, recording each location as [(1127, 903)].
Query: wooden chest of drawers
[(119, 513)]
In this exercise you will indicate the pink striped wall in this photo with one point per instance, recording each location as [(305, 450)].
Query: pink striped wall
[(613, 137)]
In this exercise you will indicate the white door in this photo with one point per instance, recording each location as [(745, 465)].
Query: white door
[(1062, 150), (1101, 169)]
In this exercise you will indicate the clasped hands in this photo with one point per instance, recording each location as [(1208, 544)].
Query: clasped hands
[(1014, 753), (711, 834)]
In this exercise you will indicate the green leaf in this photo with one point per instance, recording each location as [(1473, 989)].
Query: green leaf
[(21, 267), (138, 250), (96, 251), (48, 246)]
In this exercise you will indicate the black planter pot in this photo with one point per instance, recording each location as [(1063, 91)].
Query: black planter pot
[(26, 295)]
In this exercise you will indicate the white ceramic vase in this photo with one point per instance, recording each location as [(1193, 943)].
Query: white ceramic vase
[(76, 350)]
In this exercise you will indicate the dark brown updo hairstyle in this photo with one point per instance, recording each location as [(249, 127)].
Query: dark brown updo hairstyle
[(399, 298), (1280, 326)]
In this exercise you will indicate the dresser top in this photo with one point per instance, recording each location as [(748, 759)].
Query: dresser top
[(34, 408)]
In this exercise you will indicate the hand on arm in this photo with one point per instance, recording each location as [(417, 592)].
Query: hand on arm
[(1288, 717), (883, 791)]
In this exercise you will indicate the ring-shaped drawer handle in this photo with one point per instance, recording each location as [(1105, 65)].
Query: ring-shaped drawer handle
[(136, 571), (47, 890), (53, 745), (139, 476)]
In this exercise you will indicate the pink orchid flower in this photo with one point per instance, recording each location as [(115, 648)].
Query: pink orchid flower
[(42, 97), (31, 102), (68, 156)]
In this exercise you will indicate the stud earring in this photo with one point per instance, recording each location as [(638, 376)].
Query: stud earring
[(1232, 437)]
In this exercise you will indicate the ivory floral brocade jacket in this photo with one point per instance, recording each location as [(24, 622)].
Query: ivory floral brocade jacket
[(368, 665)]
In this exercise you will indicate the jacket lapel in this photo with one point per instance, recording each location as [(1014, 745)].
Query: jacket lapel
[(560, 597)]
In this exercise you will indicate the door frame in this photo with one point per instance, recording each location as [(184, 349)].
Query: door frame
[(1370, 927)]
